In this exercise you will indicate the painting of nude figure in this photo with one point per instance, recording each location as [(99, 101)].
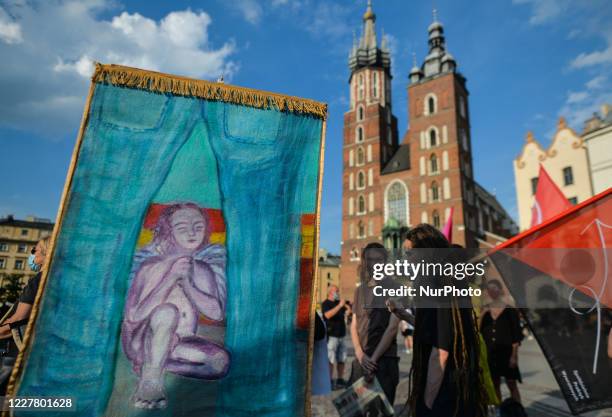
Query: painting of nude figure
[(176, 278)]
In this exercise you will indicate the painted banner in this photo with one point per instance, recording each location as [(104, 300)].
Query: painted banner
[(559, 274), (181, 276)]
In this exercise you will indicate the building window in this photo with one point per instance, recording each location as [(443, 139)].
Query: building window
[(396, 203), (354, 254), (375, 84), (431, 104), (435, 192), (360, 113), (462, 109), (22, 248), (433, 164), (573, 200), (361, 182), (534, 185), (361, 230), (4, 247), (2, 263), (359, 135), (361, 205), (360, 156), (568, 176), (433, 138), (19, 264), (435, 218), (360, 87), (464, 141), (24, 232)]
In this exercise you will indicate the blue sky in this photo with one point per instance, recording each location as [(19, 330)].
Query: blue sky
[(527, 62)]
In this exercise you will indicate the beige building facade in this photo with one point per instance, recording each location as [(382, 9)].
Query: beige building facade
[(597, 136), (17, 239), (329, 274), (565, 161)]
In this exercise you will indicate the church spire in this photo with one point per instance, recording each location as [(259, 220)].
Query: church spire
[(438, 60), (367, 52), (369, 28)]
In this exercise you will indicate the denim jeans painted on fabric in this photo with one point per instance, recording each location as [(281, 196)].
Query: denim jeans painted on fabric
[(259, 169)]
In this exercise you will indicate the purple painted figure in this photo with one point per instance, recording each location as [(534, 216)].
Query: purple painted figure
[(177, 277)]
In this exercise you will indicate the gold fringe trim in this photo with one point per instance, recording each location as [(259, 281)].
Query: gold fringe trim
[(189, 87)]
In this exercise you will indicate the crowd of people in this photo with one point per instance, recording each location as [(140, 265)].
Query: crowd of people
[(458, 357)]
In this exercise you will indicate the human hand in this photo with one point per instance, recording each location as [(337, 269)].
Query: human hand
[(182, 267), (391, 305), (368, 364), (342, 302), (513, 361)]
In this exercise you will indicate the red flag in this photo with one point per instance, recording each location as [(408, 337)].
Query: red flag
[(560, 274), (448, 227), (549, 199)]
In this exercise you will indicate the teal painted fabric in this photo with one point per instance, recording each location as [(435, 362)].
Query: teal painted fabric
[(260, 169)]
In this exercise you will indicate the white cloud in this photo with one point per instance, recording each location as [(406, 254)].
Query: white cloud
[(251, 10), (10, 31), (580, 105), (597, 82), (577, 97), (592, 58), (44, 80), (544, 11)]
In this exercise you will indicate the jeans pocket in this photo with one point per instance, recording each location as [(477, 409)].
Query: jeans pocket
[(252, 126), (130, 109)]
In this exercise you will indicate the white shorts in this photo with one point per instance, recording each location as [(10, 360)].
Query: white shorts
[(336, 350)]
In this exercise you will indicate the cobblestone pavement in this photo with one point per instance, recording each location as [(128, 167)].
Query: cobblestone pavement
[(540, 392)]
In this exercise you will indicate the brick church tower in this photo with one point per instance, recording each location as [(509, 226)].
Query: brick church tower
[(370, 140), (388, 186)]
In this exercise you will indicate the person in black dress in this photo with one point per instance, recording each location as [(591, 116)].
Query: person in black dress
[(501, 329)]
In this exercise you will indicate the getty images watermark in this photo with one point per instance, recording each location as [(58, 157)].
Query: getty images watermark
[(404, 269)]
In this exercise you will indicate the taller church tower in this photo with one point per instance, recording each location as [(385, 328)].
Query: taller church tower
[(370, 139)]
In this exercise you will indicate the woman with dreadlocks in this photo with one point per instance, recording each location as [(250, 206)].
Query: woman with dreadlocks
[(445, 378)]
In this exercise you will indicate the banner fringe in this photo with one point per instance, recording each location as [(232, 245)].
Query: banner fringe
[(164, 83)]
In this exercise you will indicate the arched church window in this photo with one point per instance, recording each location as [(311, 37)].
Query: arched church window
[(431, 103), (360, 113), (375, 84), (361, 205), (360, 87), (433, 164), (435, 217), (433, 137), (397, 203), (360, 156), (361, 181), (361, 229), (359, 135), (435, 191)]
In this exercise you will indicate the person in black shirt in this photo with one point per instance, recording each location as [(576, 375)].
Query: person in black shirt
[(445, 377), (374, 329), (501, 329), (21, 314), (28, 295), (335, 310)]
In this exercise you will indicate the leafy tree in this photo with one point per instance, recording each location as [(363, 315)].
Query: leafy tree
[(10, 287)]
